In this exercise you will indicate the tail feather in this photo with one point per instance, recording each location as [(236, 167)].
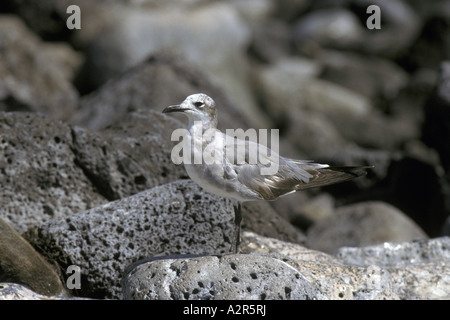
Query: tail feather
[(330, 175)]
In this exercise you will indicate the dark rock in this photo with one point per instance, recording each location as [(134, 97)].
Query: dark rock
[(174, 218), (422, 195), (260, 217), (409, 103), (435, 133), (412, 180), (130, 156), (46, 18), (20, 263), (432, 45), (436, 129), (313, 210), (38, 172), (49, 169), (446, 228), (145, 136), (270, 41), (287, 10), (112, 172)]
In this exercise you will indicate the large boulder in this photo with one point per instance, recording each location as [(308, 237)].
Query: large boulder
[(35, 75)]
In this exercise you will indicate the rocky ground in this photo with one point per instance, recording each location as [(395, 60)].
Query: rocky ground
[(86, 175)]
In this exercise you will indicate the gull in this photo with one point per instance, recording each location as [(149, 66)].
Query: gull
[(245, 180)]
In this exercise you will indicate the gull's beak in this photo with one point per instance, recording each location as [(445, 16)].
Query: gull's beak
[(174, 108)]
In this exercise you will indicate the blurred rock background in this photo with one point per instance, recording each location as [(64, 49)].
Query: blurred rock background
[(339, 93)]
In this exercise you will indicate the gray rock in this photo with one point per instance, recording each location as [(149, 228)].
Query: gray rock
[(133, 34), (419, 269), (48, 17), (39, 174), (333, 117), (20, 263), (145, 135), (329, 115), (313, 210), (278, 84), (362, 224), (296, 253), (320, 276), (374, 77), (131, 155), (333, 100), (408, 275), (230, 277), (254, 10), (171, 219), (41, 83), (270, 40), (318, 134), (50, 169), (421, 281), (354, 116), (332, 28), (158, 82), (290, 9), (15, 291), (400, 26), (398, 254), (113, 173), (311, 111)]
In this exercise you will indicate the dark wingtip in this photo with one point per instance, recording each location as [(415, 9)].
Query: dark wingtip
[(331, 175), (357, 171)]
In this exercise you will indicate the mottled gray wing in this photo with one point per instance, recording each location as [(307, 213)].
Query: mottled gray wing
[(290, 176), (251, 162)]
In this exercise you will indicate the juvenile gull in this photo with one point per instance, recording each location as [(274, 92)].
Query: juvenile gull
[(239, 178)]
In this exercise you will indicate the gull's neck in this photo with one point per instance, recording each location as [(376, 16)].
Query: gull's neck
[(203, 124)]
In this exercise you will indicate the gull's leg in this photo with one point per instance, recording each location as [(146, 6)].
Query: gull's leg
[(237, 228)]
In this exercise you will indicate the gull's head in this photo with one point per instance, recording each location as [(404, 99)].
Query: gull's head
[(197, 107)]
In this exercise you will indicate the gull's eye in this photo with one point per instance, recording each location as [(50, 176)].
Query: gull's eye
[(198, 104)]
